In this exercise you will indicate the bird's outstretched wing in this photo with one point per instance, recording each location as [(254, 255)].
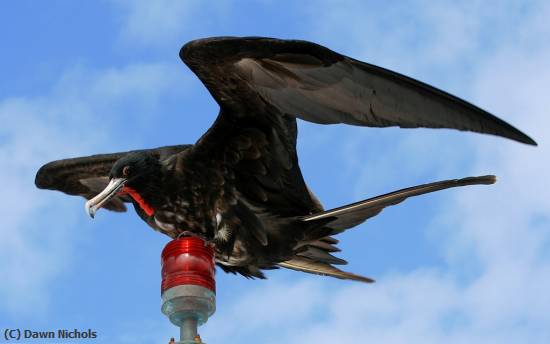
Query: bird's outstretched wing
[(306, 80), (317, 259), (88, 176), (351, 215)]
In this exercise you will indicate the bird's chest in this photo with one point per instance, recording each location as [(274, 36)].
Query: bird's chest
[(192, 195), (179, 215)]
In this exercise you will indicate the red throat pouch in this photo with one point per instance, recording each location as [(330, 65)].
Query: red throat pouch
[(147, 209)]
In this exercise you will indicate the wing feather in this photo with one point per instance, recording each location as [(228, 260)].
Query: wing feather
[(353, 214), (308, 81), (88, 176)]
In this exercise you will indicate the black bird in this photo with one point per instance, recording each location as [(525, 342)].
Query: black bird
[(240, 186)]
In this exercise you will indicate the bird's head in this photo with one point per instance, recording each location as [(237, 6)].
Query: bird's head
[(135, 174)]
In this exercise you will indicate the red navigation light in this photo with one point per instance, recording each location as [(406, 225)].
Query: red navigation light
[(188, 261), (188, 289)]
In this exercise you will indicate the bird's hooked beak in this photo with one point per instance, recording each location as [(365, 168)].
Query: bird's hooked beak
[(111, 190)]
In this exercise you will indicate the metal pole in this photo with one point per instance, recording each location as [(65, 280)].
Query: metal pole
[(188, 330)]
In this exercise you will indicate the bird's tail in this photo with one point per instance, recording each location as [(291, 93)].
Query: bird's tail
[(319, 268), (313, 255)]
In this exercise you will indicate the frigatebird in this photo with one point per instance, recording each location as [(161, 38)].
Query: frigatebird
[(239, 186)]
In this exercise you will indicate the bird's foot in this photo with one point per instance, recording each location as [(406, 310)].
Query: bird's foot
[(207, 242)]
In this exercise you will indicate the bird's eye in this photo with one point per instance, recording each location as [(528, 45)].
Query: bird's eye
[(126, 171)]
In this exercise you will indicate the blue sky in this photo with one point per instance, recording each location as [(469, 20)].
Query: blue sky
[(469, 265)]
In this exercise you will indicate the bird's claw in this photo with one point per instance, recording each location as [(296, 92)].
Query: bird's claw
[(207, 242)]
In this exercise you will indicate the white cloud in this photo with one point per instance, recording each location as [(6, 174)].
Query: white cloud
[(267, 307), (38, 230), (164, 22), (152, 22)]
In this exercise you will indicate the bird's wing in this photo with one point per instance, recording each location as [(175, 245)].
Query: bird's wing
[(88, 176), (348, 216), (309, 81), (315, 256)]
